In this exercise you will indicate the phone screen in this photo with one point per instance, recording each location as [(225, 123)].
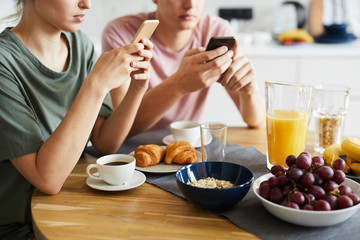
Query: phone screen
[(216, 42)]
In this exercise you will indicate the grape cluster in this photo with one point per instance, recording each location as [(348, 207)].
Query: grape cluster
[(309, 184)]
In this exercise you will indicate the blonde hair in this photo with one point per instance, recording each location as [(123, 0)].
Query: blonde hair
[(17, 15)]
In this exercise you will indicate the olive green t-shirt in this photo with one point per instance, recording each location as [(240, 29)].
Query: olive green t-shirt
[(33, 102)]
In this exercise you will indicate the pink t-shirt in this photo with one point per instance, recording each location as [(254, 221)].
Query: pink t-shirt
[(120, 32)]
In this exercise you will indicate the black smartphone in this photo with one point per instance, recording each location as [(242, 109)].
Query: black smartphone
[(216, 42)]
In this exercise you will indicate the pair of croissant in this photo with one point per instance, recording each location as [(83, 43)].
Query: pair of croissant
[(151, 154)]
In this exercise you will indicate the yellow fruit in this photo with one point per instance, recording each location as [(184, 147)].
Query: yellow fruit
[(296, 34), (351, 148), (331, 153), (349, 160), (355, 167)]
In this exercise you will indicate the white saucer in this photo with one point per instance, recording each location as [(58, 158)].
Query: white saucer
[(137, 180), (170, 139)]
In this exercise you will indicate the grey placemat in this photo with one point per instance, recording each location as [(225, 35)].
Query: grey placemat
[(248, 214)]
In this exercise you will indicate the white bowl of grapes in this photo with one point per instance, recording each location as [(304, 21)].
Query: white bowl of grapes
[(309, 192)]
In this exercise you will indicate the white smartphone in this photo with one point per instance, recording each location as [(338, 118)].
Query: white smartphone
[(146, 29)]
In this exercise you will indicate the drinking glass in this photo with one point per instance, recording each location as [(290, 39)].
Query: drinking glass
[(288, 107), (330, 108), (213, 141)]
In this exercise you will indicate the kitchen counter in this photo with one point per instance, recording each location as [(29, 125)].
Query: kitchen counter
[(312, 64), (351, 49)]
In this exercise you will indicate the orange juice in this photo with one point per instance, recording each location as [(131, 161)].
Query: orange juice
[(286, 134)]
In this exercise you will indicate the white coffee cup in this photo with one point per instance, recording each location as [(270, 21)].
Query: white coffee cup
[(114, 169), (186, 131)]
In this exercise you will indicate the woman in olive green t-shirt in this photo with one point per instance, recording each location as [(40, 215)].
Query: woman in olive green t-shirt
[(53, 96)]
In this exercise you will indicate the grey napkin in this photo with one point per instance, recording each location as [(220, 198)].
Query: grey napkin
[(248, 214)]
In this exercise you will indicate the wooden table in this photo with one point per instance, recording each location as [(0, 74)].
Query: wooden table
[(146, 212)]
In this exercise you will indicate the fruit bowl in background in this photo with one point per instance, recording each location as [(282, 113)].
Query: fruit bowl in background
[(306, 217), (349, 151)]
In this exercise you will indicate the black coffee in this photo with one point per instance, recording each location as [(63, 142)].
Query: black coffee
[(115, 163)]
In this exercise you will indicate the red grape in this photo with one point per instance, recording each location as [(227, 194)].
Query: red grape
[(278, 174), (308, 179), (322, 205), (274, 182), (283, 180), (277, 168), (291, 160), (293, 205), (309, 198), (297, 197), (339, 164), (309, 184), (276, 195), (317, 161), (332, 200), (306, 153), (264, 189), (355, 198), (308, 207), (339, 176), (344, 202), (318, 180), (330, 186), (325, 173), (295, 173), (344, 190), (303, 161), (317, 191)]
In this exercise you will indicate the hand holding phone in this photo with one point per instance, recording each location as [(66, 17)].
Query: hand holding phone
[(216, 42), (146, 29)]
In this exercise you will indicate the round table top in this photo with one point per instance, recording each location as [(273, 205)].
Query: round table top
[(145, 212)]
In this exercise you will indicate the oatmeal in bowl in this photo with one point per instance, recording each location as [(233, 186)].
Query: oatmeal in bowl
[(234, 180)]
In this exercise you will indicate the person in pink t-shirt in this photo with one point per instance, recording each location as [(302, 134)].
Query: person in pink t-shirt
[(182, 71)]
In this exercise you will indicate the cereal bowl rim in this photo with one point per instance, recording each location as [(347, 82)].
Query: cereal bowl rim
[(247, 183)]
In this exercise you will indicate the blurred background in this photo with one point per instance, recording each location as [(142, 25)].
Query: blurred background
[(318, 43)]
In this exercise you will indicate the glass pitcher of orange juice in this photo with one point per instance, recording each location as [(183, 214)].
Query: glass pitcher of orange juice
[(288, 110)]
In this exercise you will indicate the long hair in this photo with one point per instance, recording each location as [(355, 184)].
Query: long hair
[(17, 15)]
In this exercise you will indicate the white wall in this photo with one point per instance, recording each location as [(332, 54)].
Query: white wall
[(7, 7), (219, 107), (103, 11)]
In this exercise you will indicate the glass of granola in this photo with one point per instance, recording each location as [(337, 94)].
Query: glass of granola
[(330, 108)]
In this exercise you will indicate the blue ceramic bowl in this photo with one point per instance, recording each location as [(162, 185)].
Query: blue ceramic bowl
[(215, 199), (336, 29)]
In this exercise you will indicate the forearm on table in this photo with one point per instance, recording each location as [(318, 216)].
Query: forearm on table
[(251, 107), (60, 152), (156, 102)]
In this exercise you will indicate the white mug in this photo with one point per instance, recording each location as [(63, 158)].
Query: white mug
[(114, 169), (186, 131)]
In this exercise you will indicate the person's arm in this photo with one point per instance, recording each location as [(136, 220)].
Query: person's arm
[(110, 133), (251, 107), (195, 72), (240, 82), (48, 168)]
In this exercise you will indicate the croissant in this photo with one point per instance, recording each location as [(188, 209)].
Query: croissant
[(148, 155), (180, 152)]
